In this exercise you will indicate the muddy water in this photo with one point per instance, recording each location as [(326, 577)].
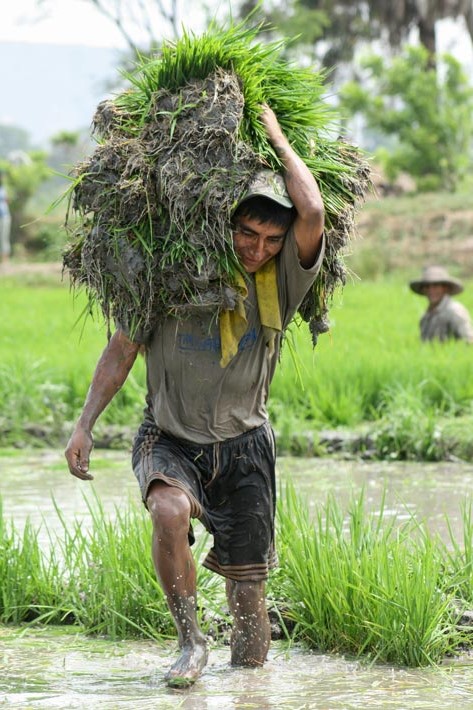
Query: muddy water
[(30, 480), (55, 668), (46, 669)]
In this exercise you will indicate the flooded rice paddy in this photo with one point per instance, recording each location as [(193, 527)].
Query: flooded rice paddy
[(59, 668)]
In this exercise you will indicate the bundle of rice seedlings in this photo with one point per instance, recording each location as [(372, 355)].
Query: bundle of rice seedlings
[(150, 210)]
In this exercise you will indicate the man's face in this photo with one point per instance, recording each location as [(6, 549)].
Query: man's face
[(256, 243), (435, 293)]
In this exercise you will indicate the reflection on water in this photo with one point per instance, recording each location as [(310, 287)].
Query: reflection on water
[(429, 491), (59, 669), (30, 480)]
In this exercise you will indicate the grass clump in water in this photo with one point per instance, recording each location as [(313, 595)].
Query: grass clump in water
[(31, 583), (98, 575), (113, 586), (366, 585), (361, 584)]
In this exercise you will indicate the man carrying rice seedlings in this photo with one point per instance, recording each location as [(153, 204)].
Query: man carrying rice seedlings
[(206, 449)]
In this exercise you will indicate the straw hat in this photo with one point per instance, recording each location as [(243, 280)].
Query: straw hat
[(436, 275)]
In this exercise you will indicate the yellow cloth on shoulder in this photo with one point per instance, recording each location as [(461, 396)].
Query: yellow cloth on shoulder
[(233, 323)]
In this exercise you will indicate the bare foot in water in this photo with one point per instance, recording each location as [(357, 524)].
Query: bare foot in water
[(188, 667)]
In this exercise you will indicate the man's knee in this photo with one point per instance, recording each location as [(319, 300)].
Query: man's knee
[(169, 508), (245, 597)]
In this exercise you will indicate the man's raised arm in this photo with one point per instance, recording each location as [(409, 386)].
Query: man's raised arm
[(303, 191)]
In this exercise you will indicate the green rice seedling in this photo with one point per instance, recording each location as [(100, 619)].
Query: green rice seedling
[(45, 382), (112, 586), (418, 625), (351, 583), (114, 589), (354, 377), (459, 558), (176, 151), (372, 350), (408, 430), (30, 589), (99, 576), (295, 435), (363, 584)]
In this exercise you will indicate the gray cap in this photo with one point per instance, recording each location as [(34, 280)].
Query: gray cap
[(436, 275), (267, 183)]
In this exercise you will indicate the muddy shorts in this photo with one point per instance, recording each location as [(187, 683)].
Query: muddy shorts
[(231, 488)]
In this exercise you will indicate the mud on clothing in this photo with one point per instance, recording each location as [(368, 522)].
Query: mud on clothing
[(193, 399), (232, 490), (191, 396)]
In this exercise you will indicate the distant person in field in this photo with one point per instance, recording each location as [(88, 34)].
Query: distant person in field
[(5, 222), (444, 319)]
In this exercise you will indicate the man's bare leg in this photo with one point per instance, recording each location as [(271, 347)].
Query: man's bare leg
[(251, 634), (170, 512)]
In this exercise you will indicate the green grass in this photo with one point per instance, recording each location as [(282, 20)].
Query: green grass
[(373, 348), (424, 204), (369, 370), (48, 353), (353, 582), (112, 585), (363, 584), (371, 367)]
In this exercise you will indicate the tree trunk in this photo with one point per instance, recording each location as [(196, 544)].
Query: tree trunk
[(469, 20), (427, 37)]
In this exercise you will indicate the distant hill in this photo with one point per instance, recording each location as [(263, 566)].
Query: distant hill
[(47, 88)]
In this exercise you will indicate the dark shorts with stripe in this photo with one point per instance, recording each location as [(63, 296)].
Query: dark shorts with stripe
[(231, 488)]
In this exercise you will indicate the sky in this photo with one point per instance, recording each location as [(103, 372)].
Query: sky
[(64, 53), (66, 22), (76, 22)]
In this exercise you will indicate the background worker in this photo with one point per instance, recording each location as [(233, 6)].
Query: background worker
[(444, 318), (5, 222)]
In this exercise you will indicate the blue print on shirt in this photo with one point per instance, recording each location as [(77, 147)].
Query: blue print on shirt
[(248, 340), (187, 342), (190, 343)]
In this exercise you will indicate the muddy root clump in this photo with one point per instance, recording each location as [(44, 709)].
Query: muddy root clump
[(152, 227), (150, 209)]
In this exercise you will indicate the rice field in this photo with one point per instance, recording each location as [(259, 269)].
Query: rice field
[(357, 582), (395, 592), (370, 371)]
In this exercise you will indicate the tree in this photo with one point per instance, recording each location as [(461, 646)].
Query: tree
[(23, 177), (304, 23), (346, 22), (153, 20), (13, 138), (65, 150), (399, 17), (429, 112)]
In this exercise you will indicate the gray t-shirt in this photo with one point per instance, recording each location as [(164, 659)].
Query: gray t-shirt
[(189, 394), (449, 319)]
